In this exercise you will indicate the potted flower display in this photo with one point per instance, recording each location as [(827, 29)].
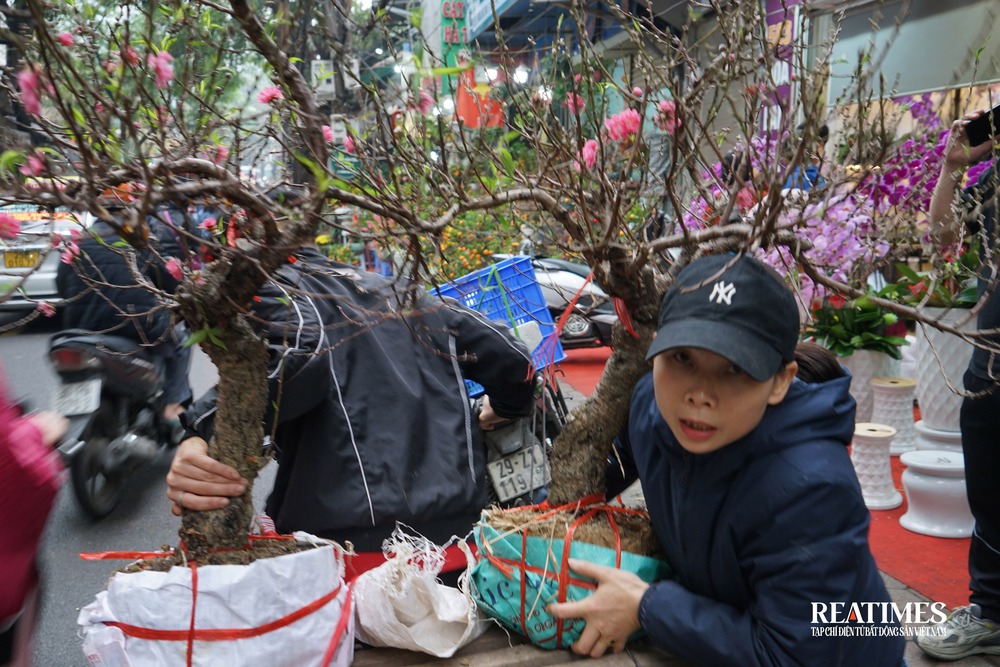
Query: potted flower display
[(866, 337), (945, 292)]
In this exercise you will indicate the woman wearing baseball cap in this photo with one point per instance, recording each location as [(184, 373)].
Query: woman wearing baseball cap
[(750, 489)]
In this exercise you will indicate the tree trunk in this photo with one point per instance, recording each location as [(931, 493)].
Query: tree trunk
[(580, 453), (239, 434)]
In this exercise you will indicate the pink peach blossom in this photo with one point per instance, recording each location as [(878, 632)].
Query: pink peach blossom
[(35, 165), (574, 103), (623, 125), (9, 226), (29, 84), (589, 153), (163, 71), (328, 134), (270, 94), (209, 224), (349, 145), (637, 91), (425, 103), (666, 116), (175, 269), (218, 153), (70, 254), (232, 232), (130, 56), (65, 38), (46, 309)]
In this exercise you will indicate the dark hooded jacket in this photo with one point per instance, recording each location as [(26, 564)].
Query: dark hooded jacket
[(373, 423), (111, 300), (756, 532)]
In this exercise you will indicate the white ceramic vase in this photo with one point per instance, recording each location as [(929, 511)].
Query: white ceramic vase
[(893, 406), (937, 504), (871, 459), (939, 405), (865, 365)]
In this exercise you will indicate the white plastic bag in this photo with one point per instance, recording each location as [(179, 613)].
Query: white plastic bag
[(288, 610), (402, 605)]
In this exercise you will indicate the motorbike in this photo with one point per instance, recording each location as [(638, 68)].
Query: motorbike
[(111, 390), (593, 316), (517, 451)]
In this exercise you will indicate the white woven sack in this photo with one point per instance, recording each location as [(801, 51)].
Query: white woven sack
[(401, 604), (239, 598)]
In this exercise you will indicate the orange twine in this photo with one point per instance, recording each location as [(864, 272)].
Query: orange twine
[(595, 505)]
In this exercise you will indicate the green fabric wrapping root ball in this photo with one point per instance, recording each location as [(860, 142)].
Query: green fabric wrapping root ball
[(518, 574)]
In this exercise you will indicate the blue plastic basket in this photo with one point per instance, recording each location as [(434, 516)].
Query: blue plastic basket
[(508, 292)]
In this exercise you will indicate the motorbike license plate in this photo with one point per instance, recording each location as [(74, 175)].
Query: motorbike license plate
[(519, 473), (77, 398), (20, 259)]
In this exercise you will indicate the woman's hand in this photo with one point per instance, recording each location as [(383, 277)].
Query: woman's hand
[(958, 153), (611, 613), (196, 481)]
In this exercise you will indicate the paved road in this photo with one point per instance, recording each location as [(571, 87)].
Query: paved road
[(141, 522)]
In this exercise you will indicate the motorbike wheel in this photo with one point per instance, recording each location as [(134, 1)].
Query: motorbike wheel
[(97, 492), (576, 326)]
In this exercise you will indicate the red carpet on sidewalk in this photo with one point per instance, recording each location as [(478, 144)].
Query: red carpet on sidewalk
[(933, 566)]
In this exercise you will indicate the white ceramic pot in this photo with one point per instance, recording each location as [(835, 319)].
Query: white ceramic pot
[(937, 505), (870, 457), (865, 365), (929, 438), (893, 406), (939, 405)]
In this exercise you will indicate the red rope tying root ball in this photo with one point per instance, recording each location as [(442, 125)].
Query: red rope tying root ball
[(551, 584)]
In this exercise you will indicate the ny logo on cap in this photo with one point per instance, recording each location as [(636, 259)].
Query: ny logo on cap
[(722, 292)]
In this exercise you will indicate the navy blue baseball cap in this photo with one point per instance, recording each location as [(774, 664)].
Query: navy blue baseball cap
[(734, 306)]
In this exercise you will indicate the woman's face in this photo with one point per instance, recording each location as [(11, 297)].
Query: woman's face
[(708, 401)]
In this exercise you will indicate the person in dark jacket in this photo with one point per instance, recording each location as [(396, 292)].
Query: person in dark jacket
[(101, 293), (750, 490), (373, 421), (974, 628)]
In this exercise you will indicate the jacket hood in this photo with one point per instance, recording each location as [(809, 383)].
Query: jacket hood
[(820, 412)]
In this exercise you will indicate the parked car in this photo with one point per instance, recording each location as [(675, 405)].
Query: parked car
[(28, 272), (593, 316)]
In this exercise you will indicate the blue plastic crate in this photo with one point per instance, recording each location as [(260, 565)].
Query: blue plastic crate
[(508, 292)]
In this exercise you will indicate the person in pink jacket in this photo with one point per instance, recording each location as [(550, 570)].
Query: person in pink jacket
[(30, 476)]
